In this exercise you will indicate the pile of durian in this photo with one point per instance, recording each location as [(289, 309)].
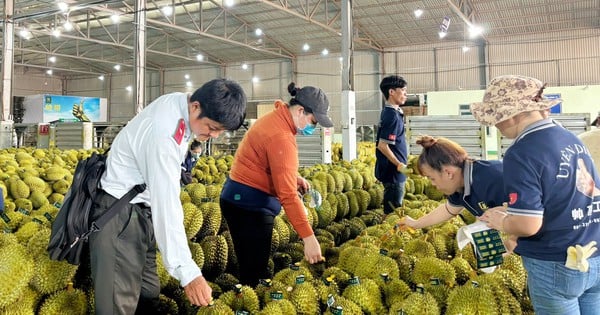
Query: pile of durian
[(370, 267)]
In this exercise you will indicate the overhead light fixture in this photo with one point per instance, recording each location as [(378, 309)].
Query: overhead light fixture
[(52, 59), (56, 32), (117, 67), (101, 78), (306, 47), (129, 88), (229, 3), (115, 18), (25, 33), (245, 66), (63, 7), (442, 34), (200, 57), (68, 26), (255, 79), (418, 13), (258, 32), (325, 52), (475, 31), (465, 48), (186, 76), (167, 10), (188, 83), (49, 72)]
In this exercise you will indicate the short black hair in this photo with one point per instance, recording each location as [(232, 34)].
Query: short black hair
[(223, 101), (195, 144), (391, 82)]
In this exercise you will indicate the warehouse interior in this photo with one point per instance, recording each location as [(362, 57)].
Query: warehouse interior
[(112, 58)]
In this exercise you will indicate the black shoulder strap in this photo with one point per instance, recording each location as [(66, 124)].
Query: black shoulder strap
[(114, 208)]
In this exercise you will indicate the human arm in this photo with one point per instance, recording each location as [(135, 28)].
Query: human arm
[(303, 184), (160, 166), (442, 213), (283, 163), (384, 148), (518, 225)]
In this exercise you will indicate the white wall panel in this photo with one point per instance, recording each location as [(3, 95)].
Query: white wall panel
[(35, 81)]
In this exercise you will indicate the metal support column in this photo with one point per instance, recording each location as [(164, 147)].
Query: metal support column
[(6, 123), (140, 55), (348, 97)]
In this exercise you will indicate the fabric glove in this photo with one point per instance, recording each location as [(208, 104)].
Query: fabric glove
[(577, 256)]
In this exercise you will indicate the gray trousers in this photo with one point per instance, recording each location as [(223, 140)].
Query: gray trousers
[(123, 260)]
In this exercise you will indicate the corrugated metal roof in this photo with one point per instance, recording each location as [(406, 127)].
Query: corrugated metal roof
[(226, 34)]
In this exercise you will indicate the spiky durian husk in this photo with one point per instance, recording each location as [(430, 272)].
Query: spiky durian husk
[(192, 219), (215, 255), (367, 295), (462, 269), (227, 281), (416, 304), (304, 298), (343, 206), (241, 298), (24, 305), (197, 193), (282, 229), (50, 275), (352, 204), (376, 193), (288, 275), (427, 268), (294, 249), (211, 211), (364, 199), (326, 214), (470, 300), (419, 248), (514, 264), (69, 301), (394, 290), (216, 308), (16, 269)]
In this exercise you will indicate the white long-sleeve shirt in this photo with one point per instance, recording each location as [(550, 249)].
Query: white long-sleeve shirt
[(146, 151)]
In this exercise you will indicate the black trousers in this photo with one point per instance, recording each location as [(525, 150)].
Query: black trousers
[(123, 260), (251, 232)]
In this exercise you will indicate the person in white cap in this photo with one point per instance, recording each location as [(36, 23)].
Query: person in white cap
[(554, 200)]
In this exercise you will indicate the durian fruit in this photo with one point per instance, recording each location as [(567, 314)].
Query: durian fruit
[(325, 287), (419, 248), (471, 300), (417, 303), (326, 214), (289, 275), (216, 307), (282, 229), (427, 268), (518, 277), (227, 281), (24, 305), (16, 269), (343, 206), (68, 301), (346, 305), (50, 275), (197, 193), (376, 193), (278, 306), (366, 294), (462, 269), (268, 289), (215, 255), (241, 298), (192, 219), (197, 253), (394, 290), (166, 306), (27, 230), (211, 211), (338, 275), (304, 297)]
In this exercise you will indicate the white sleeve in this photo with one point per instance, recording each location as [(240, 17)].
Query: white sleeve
[(162, 173)]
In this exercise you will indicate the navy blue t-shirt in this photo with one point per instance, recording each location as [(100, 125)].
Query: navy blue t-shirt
[(541, 170), (484, 187), (391, 131)]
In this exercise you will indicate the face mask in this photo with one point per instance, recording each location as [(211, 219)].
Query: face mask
[(309, 129), (195, 155)]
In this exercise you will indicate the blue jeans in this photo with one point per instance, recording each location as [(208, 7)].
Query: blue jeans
[(392, 196), (556, 289)]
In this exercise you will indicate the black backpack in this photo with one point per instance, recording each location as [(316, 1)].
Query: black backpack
[(71, 228)]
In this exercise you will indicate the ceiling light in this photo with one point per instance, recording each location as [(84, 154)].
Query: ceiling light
[(418, 13), (52, 59), (68, 26), (49, 72), (199, 57), (465, 48), (255, 80), (167, 10), (475, 31), (245, 66), (129, 88), (186, 76), (101, 78), (115, 18), (325, 52), (306, 47), (258, 32), (63, 6), (442, 34), (56, 32), (188, 83), (229, 3), (117, 67), (25, 33)]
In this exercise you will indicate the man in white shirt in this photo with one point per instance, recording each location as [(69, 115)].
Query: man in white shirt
[(150, 150)]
